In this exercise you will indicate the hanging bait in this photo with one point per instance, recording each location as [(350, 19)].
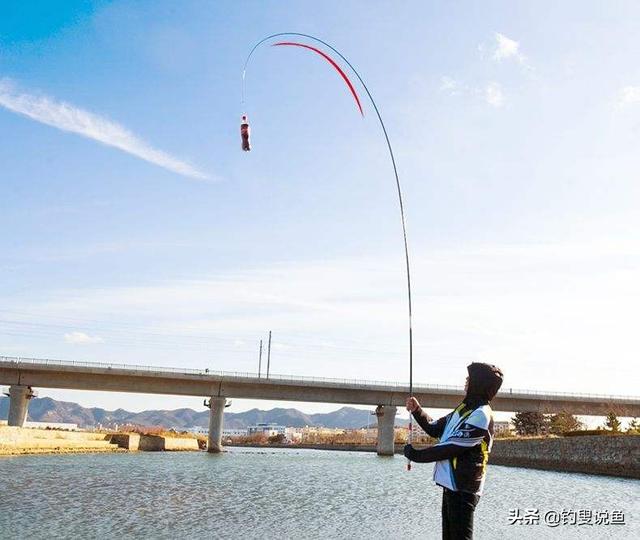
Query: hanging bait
[(245, 133)]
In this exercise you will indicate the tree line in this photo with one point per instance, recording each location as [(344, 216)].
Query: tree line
[(536, 423)]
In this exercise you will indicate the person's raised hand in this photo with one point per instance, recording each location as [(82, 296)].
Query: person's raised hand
[(408, 451), (412, 404)]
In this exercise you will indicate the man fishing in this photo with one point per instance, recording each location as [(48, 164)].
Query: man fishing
[(461, 455)]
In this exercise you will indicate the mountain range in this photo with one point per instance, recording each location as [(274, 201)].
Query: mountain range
[(50, 410)]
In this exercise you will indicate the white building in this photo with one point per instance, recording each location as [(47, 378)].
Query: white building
[(503, 426), (267, 429), (294, 434), (197, 430), (226, 432), (234, 432)]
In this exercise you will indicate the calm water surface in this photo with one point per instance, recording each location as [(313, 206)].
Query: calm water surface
[(253, 493)]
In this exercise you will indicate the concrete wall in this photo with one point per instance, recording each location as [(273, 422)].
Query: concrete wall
[(597, 454), (158, 443), (151, 443), (16, 440), (128, 441), (174, 443)]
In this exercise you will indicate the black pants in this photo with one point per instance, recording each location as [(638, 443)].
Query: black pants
[(457, 514)]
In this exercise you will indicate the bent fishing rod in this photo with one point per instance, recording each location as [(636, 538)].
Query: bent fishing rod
[(245, 135)]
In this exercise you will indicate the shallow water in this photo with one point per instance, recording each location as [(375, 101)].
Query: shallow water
[(282, 493)]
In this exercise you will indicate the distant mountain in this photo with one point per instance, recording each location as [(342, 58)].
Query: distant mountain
[(51, 410), (282, 417), (346, 417)]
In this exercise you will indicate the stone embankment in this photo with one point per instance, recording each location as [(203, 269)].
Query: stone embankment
[(598, 454), (613, 455), (128, 441), (15, 440), (159, 443), (314, 446)]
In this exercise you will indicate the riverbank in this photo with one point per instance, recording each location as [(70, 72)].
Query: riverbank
[(18, 441), (608, 455), (302, 446)]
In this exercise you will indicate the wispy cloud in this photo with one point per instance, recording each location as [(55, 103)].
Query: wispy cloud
[(493, 94), (628, 95), (80, 338), (490, 93), (527, 308), (449, 85), (507, 48), (67, 117)]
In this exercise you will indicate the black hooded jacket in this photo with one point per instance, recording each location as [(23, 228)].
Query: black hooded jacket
[(484, 382)]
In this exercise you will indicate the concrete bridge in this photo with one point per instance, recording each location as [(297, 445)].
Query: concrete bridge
[(23, 374)]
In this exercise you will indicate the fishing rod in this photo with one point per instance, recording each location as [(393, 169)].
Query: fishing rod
[(245, 136)]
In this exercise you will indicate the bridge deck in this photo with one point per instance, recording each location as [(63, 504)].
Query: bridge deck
[(44, 373)]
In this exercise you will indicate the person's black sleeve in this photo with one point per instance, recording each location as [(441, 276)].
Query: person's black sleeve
[(432, 428), (438, 452)]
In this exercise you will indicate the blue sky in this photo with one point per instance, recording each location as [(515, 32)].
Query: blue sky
[(135, 230)]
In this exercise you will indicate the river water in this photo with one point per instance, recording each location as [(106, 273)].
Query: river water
[(286, 493)]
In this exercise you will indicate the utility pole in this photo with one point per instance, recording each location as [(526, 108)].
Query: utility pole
[(260, 360), (269, 354)]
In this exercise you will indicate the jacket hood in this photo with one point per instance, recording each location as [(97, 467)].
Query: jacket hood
[(484, 382)]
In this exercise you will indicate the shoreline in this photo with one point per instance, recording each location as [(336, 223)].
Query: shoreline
[(15, 441), (600, 455), (6, 452), (596, 455)]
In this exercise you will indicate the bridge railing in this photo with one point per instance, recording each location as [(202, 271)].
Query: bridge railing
[(388, 385), (152, 370)]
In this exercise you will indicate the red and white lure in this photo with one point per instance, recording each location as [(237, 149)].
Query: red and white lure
[(245, 133)]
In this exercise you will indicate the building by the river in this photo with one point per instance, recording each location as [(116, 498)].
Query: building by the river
[(267, 429)]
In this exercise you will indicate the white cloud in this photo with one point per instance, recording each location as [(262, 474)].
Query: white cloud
[(449, 85), (628, 95), (80, 338), (507, 48), (67, 117), (493, 94)]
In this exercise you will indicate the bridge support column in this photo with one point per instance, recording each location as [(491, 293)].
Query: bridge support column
[(19, 397), (386, 422), (217, 405)]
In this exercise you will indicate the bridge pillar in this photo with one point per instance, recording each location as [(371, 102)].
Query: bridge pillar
[(217, 405), (386, 422), (19, 397)]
